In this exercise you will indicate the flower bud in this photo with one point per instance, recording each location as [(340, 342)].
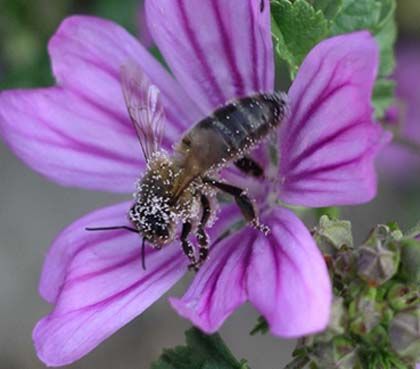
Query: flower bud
[(338, 353), (344, 263), (365, 313), (404, 332), (378, 257), (377, 337), (402, 296), (331, 235), (410, 261), (337, 318)]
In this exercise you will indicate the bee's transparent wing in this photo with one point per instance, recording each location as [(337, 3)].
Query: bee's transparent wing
[(144, 107)]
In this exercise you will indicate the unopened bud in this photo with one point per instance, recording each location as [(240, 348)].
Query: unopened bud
[(338, 353), (378, 337), (344, 263), (378, 257), (410, 261), (365, 314), (330, 235), (337, 318), (404, 333), (402, 296)]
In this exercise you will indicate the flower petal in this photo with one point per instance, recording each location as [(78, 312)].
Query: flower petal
[(219, 287), (69, 140), (98, 285), (87, 54), (287, 279), (143, 31), (329, 143), (217, 49)]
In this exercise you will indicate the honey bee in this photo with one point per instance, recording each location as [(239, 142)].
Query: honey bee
[(178, 188)]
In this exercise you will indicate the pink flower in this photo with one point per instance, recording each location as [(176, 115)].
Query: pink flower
[(398, 161), (78, 134)]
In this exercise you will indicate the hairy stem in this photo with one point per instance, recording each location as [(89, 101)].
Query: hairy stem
[(297, 363)]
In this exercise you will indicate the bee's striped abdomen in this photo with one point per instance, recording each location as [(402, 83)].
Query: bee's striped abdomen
[(243, 123), (230, 132)]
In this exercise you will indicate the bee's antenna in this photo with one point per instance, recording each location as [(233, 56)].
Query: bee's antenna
[(111, 228), (143, 256)]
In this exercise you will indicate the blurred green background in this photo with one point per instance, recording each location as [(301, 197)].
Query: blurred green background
[(26, 26), (33, 210)]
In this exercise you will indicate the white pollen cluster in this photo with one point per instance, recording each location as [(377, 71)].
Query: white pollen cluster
[(155, 213)]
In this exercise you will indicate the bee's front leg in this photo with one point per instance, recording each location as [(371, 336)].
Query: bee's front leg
[(187, 245)]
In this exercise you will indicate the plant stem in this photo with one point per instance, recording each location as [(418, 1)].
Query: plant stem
[(413, 232), (412, 145), (297, 363)]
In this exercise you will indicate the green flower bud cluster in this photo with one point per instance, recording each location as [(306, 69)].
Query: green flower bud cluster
[(375, 317)]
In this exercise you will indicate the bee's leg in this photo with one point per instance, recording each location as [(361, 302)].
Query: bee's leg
[(248, 166), (202, 237), (187, 245), (242, 200)]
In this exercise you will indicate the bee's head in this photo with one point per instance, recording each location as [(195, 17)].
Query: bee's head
[(154, 220), (152, 213)]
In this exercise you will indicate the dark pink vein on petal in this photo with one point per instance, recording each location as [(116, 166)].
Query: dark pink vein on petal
[(228, 48), (165, 266), (282, 251), (78, 145), (212, 283), (310, 150), (220, 97), (124, 118), (115, 75), (134, 257), (111, 299), (253, 48), (316, 104), (330, 167)]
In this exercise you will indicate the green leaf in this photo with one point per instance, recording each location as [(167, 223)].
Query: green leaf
[(297, 27), (386, 33), (330, 8), (357, 15), (260, 327), (383, 96), (201, 352), (377, 16)]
